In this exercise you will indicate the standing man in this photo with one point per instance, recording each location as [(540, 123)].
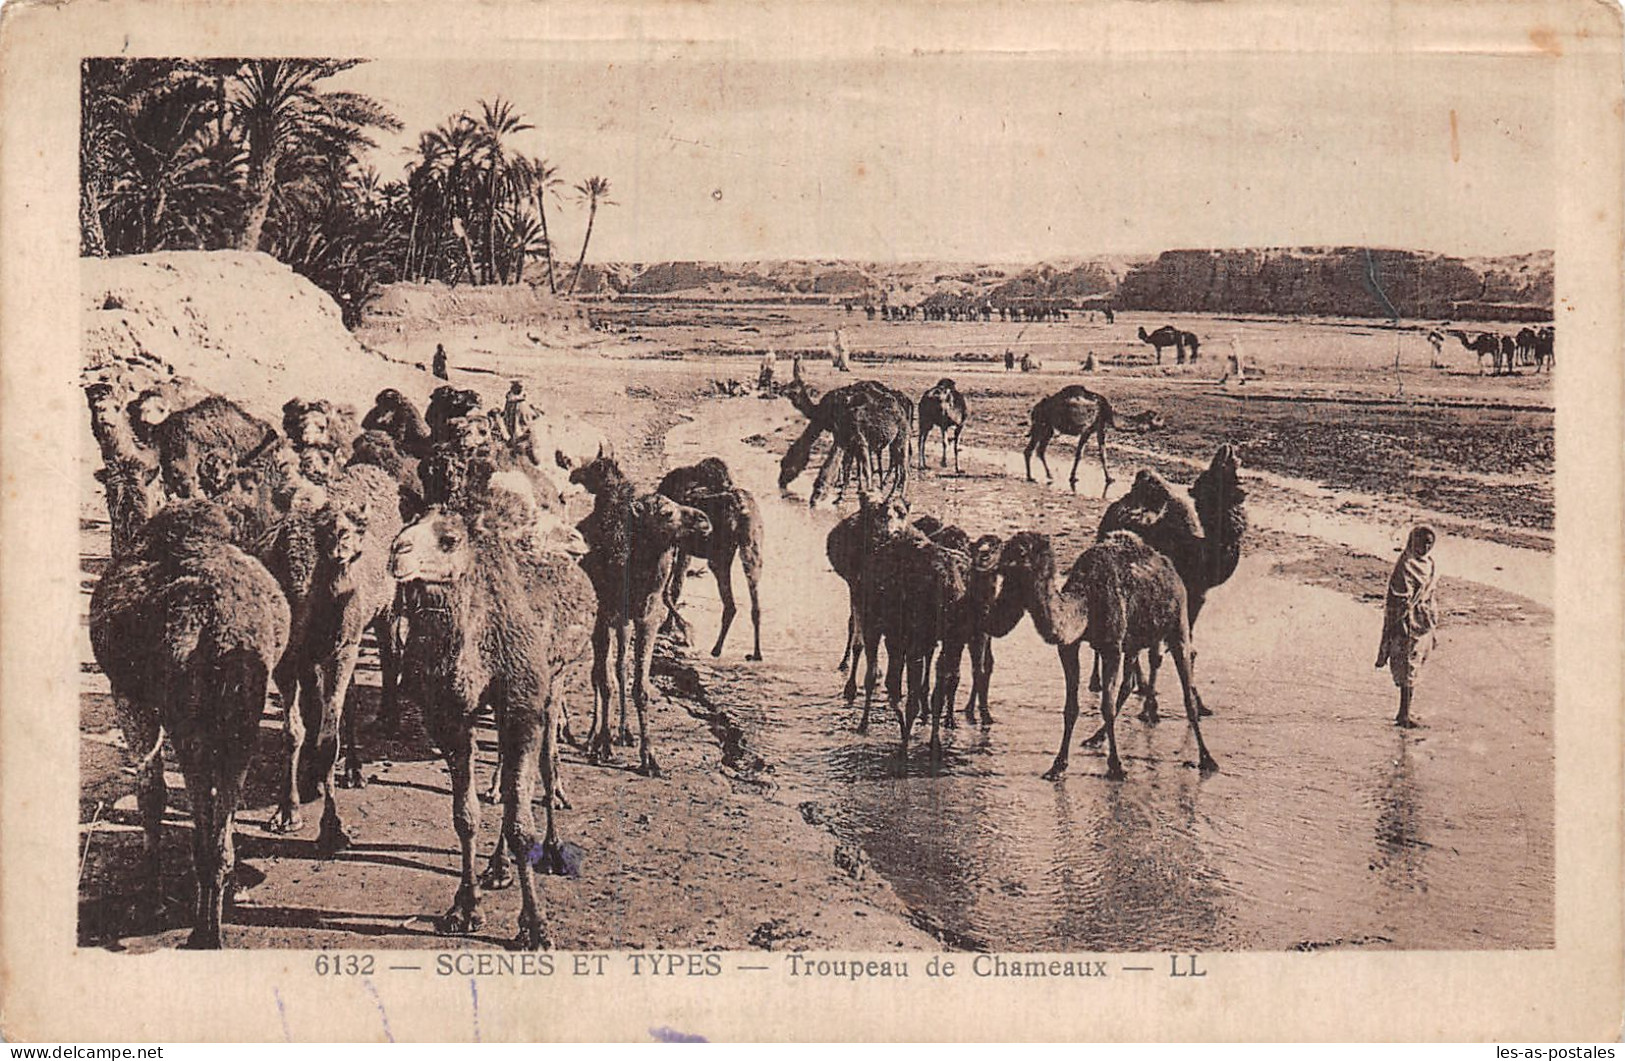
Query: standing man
[(440, 362), (1410, 616), (516, 417)]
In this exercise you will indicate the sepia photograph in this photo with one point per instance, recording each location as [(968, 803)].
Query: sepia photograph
[(811, 505)]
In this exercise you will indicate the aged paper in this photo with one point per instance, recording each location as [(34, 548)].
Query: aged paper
[(1282, 281)]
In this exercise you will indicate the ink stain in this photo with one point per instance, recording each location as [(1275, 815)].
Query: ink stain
[(1455, 137), (474, 991), (282, 1011), (383, 1016), (671, 1035)]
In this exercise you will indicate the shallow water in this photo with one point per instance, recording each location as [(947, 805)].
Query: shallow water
[(1324, 827)]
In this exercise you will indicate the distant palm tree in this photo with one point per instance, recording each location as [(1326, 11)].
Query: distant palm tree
[(595, 192), (497, 122), (522, 236), (280, 112)]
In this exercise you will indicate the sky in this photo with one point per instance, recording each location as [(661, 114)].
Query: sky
[(1015, 157)]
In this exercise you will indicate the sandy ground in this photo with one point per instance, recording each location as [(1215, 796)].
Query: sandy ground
[(779, 827)]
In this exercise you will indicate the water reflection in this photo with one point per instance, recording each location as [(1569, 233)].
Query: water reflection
[(1401, 851)]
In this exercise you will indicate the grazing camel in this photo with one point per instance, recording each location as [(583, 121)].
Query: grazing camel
[(481, 633), (394, 414), (1204, 543), (864, 420), (1077, 410), (942, 408), (1163, 337), (1122, 597), (187, 627), (632, 542), (736, 529)]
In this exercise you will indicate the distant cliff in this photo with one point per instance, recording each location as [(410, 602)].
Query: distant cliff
[(1343, 281), (1340, 281)]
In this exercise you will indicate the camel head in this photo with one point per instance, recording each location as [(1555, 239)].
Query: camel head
[(308, 423), (149, 409), (664, 523), (377, 448), (318, 464), (803, 397), (340, 532), (881, 518), (987, 552), (944, 385), (107, 401), (437, 549), (596, 474), (470, 434), (270, 478), (1026, 562)]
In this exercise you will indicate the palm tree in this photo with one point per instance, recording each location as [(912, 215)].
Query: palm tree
[(595, 191), (279, 111), (522, 236), (540, 179), (496, 122)]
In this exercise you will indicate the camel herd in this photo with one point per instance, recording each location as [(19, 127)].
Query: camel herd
[(1535, 347), (244, 556), (248, 556)]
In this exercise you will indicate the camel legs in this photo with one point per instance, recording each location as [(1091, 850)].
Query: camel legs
[(957, 429), (981, 676), (1182, 664), (144, 735), (598, 738), (946, 690), (457, 744), (925, 433), (821, 484), (871, 673), (624, 735), (1069, 668), (521, 742), (672, 593), (854, 645), (722, 571), (1038, 443), (333, 678), (751, 558), (299, 706), (643, 647)]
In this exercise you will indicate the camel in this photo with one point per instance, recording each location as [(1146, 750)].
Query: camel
[(320, 424), (329, 555), (1203, 543), (445, 405), (481, 633), (1546, 348), (942, 408), (1525, 343), (130, 471), (633, 541), (214, 426), (1122, 597), (849, 546), (187, 628), (394, 414), (1509, 354), (1482, 345), (994, 617), (864, 419), (736, 529), (1188, 341), (914, 596), (1077, 410), (1165, 336)]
